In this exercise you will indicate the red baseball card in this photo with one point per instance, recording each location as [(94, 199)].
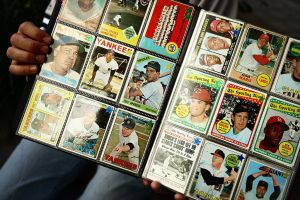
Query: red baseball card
[(167, 27)]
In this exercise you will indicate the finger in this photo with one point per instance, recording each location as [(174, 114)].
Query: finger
[(21, 69), (178, 196), (25, 56), (20, 41), (146, 182), (33, 32), (157, 187)]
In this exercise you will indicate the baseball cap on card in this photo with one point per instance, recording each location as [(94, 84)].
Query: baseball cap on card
[(218, 153), (295, 50), (240, 108), (214, 24), (128, 123), (262, 183), (265, 36), (68, 40), (153, 64), (277, 119), (202, 94)]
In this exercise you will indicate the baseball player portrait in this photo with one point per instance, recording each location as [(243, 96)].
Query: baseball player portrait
[(83, 129), (253, 55), (209, 60), (262, 186), (274, 130), (53, 101), (213, 175), (44, 125), (104, 69), (85, 13), (239, 119), (152, 91), (290, 88), (199, 105), (128, 144), (216, 43), (65, 54), (224, 27)]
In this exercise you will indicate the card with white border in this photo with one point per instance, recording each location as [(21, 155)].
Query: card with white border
[(85, 127)]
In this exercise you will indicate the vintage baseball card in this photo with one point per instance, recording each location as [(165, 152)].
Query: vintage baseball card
[(287, 82), (86, 14), (166, 28), (213, 43), (45, 113), (196, 99), (147, 83), (237, 114), (217, 173), (67, 59), (106, 69), (123, 20), (173, 158), (278, 136), (127, 141), (85, 127), (263, 180), (258, 56)]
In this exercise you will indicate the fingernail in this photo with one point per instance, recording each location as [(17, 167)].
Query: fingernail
[(40, 58), (33, 69), (44, 49), (47, 40)]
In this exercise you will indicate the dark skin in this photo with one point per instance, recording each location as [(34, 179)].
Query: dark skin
[(273, 134), (29, 48)]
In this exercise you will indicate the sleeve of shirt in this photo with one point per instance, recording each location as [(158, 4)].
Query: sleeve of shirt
[(72, 126), (98, 61), (209, 179), (249, 183), (115, 65), (276, 193)]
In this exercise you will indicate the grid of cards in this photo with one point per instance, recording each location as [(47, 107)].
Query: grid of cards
[(101, 91), (231, 127)]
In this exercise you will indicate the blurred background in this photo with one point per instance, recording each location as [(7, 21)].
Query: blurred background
[(276, 15)]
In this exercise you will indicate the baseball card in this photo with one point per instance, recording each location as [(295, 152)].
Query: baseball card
[(195, 100), (45, 113), (147, 83), (237, 115), (68, 55), (123, 20), (278, 136), (262, 180), (127, 141), (106, 69), (166, 28), (86, 14), (217, 173), (258, 56), (174, 158), (213, 43), (287, 83), (85, 127)]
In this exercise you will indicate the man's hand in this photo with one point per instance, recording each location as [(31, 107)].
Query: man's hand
[(162, 191), (29, 48)]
